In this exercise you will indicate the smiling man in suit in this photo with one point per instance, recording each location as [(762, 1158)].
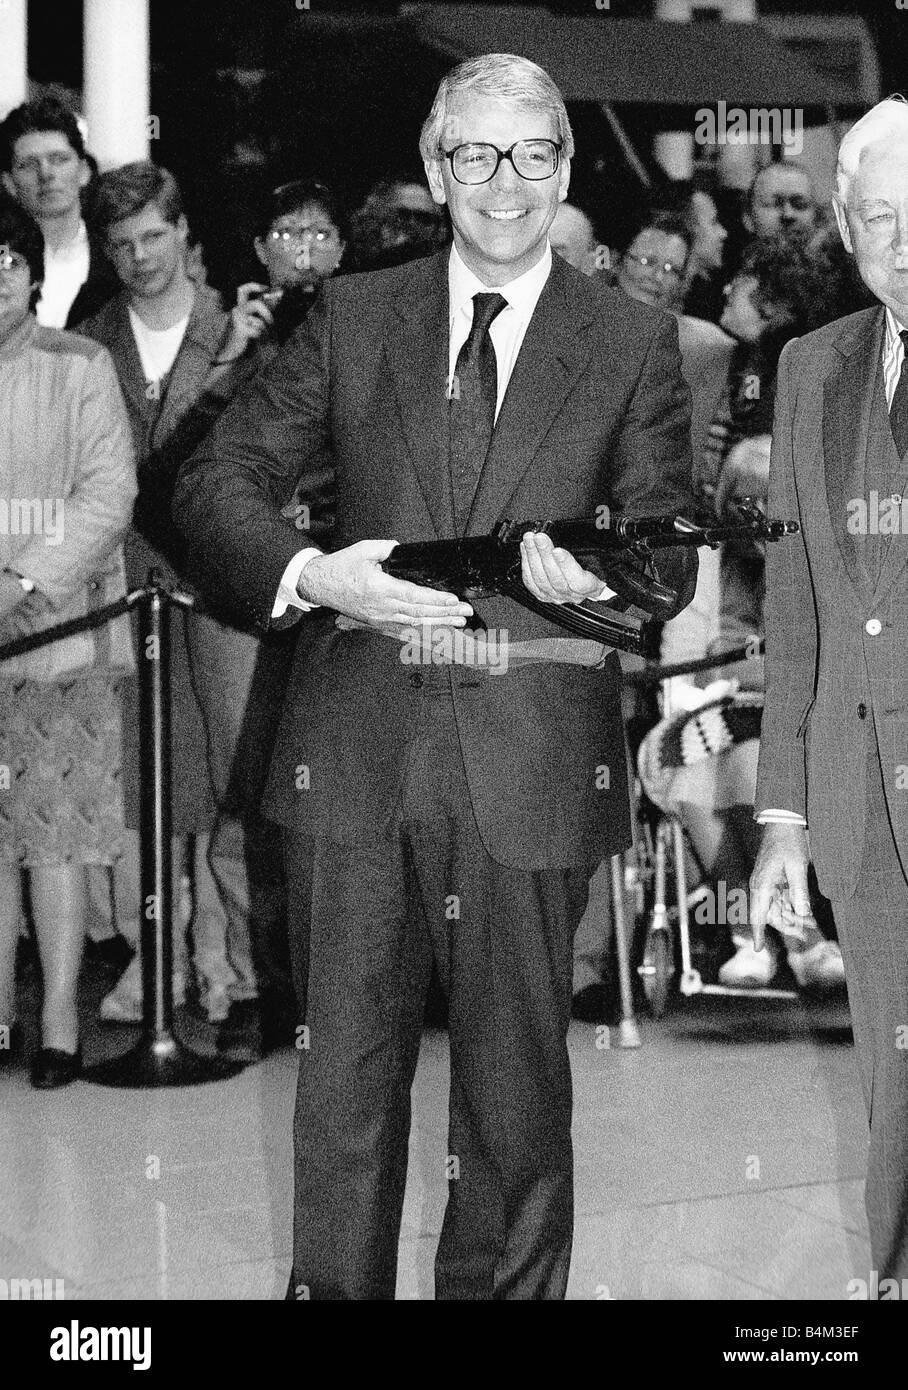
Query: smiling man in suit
[(834, 747), (453, 810)]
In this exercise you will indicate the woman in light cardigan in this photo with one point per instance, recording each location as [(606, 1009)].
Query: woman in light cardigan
[(67, 486)]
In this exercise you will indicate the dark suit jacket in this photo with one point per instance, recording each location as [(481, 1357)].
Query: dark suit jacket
[(157, 426), (596, 412), (831, 684), (164, 427), (101, 285)]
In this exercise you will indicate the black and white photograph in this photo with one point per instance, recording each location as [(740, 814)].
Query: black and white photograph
[(454, 668)]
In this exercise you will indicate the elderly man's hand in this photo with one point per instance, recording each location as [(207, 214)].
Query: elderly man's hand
[(745, 472), (552, 574), (778, 885)]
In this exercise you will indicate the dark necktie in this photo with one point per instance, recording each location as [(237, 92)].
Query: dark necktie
[(898, 411), (473, 396)]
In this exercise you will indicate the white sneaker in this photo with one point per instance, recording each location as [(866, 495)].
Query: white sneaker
[(749, 968), (819, 968)]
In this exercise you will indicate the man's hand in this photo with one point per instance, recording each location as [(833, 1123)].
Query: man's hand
[(249, 319), (352, 582), (552, 574), (778, 884), (745, 472)]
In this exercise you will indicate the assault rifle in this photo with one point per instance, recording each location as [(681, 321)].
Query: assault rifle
[(624, 546)]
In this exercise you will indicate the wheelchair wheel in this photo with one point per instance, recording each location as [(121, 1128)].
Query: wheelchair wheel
[(656, 970)]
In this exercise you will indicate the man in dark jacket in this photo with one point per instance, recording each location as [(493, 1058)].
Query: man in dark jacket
[(488, 380)]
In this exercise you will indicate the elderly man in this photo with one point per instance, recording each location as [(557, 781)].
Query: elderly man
[(782, 202), (835, 731), (488, 380)]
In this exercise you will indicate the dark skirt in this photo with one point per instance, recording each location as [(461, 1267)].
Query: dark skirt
[(61, 796)]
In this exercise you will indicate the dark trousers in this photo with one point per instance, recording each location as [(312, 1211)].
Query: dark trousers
[(502, 941), (873, 934)]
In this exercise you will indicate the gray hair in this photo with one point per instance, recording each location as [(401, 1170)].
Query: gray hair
[(505, 77), (888, 120)]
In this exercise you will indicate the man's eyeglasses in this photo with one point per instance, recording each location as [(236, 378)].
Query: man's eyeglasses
[(666, 268), (298, 236), (12, 261), (478, 163)]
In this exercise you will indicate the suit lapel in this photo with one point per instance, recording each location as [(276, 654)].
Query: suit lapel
[(192, 364), (847, 410), (416, 350), (555, 350), (123, 350)]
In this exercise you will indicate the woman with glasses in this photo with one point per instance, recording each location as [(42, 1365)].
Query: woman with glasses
[(652, 269), (67, 486), (301, 240)]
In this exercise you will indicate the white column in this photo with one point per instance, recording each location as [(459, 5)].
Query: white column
[(116, 80), (13, 55)]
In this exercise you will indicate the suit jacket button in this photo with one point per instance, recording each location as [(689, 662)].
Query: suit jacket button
[(416, 679), (873, 627), (862, 710)]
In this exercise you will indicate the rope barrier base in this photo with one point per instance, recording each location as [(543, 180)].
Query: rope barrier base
[(161, 1061)]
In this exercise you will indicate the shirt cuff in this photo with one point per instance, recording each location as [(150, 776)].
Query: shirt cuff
[(773, 817), (287, 597), (604, 593)]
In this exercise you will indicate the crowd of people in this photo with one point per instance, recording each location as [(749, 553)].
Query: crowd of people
[(116, 359)]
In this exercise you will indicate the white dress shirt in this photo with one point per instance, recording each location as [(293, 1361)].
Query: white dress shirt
[(65, 272), (509, 327), (893, 357)]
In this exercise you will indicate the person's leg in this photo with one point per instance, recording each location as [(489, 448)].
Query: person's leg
[(593, 936), (10, 912), (873, 933), (503, 942), (58, 895), (222, 662), (218, 982), (508, 1225), (100, 924), (123, 1004), (367, 981)]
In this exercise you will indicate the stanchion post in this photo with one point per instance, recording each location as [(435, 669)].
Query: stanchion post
[(156, 849), (628, 1032), (158, 1059)]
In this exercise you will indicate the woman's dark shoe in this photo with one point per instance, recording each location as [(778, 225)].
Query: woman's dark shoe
[(111, 952), (52, 1068)]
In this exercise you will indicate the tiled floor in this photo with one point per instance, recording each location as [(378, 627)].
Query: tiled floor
[(723, 1160)]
